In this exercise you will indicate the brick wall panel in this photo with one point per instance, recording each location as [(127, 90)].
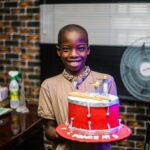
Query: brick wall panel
[(17, 11), (26, 4), (33, 10), (27, 57), (140, 145), (10, 4), (141, 131), (5, 11), (26, 17), (26, 30), (15, 31), (4, 37), (10, 30), (10, 17)]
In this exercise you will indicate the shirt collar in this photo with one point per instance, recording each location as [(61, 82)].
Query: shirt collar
[(77, 80)]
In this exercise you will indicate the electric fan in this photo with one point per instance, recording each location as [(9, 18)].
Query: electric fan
[(135, 69)]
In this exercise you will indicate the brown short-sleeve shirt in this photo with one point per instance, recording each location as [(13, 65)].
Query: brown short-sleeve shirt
[(53, 97)]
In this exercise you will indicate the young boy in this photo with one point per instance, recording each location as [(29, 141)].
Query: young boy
[(73, 49)]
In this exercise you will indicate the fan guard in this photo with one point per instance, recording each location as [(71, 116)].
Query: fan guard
[(135, 69)]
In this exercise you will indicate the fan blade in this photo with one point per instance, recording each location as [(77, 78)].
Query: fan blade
[(129, 68), (144, 89)]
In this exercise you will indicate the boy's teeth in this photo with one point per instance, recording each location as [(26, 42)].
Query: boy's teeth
[(74, 62)]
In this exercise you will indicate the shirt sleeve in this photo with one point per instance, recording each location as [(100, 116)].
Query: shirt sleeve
[(45, 108), (112, 86)]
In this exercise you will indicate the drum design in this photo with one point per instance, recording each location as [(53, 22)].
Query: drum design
[(93, 116)]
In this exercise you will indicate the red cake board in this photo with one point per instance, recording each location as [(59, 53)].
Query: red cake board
[(123, 133)]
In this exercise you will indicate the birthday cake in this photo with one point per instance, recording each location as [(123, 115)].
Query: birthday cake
[(93, 114), (93, 118)]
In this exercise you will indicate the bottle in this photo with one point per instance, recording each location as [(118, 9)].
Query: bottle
[(14, 90)]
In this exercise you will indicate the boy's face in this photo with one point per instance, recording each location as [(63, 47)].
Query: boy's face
[(73, 51)]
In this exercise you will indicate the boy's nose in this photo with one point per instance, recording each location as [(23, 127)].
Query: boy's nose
[(73, 52)]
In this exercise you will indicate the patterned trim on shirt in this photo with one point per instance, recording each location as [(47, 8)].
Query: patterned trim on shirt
[(77, 80)]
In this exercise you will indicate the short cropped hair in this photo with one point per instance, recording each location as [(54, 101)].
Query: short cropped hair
[(72, 27)]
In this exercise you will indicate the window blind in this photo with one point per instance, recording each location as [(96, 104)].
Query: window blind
[(106, 23)]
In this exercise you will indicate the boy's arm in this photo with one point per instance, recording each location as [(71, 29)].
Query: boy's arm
[(50, 131)]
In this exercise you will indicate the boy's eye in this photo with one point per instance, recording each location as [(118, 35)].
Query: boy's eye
[(68, 49), (65, 49), (81, 49)]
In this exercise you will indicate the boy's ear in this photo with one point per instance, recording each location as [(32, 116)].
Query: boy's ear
[(58, 50)]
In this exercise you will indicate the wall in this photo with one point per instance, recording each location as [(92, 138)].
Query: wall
[(19, 43), (19, 49)]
